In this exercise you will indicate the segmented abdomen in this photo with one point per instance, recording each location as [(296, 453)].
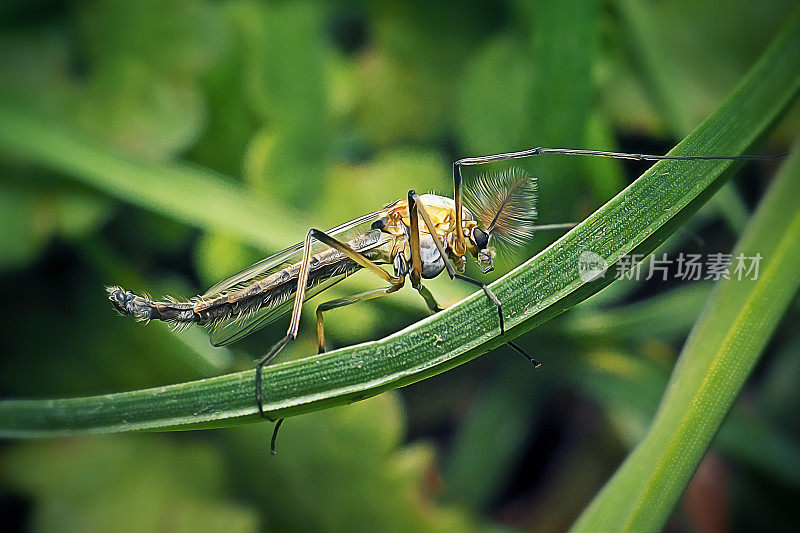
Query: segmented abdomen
[(269, 291)]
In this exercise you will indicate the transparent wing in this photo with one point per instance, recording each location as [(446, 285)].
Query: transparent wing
[(233, 331), (290, 255)]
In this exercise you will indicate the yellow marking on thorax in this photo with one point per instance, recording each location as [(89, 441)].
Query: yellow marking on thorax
[(442, 212)]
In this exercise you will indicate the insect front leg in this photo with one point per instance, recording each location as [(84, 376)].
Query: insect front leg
[(417, 208)]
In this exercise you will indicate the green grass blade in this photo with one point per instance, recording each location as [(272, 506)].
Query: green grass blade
[(187, 193), (635, 221), (722, 349), (643, 27)]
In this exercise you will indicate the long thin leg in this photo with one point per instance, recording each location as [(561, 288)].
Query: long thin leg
[(341, 302), (430, 300), (468, 161), (267, 358), (489, 293), (302, 283), (302, 278), (520, 350), (274, 438), (417, 208), (416, 256), (603, 153)]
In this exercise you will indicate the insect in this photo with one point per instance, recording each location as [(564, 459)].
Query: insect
[(420, 237)]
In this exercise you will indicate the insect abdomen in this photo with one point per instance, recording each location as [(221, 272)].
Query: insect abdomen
[(144, 309)]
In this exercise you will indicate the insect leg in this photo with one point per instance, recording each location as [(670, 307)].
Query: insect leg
[(430, 300), (302, 283), (520, 350), (603, 153), (416, 210), (469, 161), (489, 293), (341, 302), (272, 353), (458, 197), (416, 206), (416, 258)]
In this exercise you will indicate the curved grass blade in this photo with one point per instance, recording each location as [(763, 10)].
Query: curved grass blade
[(634, 222), (722, 350)]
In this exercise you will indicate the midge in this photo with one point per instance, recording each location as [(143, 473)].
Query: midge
[(420, 236)]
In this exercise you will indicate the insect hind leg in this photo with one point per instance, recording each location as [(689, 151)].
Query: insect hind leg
[(260, 366), (294, 322), (259, 397), (341, 302)]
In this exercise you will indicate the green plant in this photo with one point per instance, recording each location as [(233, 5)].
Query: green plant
[(635, 221)]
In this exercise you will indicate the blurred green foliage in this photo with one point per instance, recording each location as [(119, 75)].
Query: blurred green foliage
[(302, 114)]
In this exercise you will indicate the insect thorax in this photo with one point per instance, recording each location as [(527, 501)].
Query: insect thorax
[(395, 219)]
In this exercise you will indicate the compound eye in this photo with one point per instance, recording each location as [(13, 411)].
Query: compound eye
[(380, 223), (481, 238)]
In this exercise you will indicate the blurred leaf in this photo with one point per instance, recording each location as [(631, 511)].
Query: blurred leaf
[(534, 89), (285, 85), (660, 76), (22, 233), (178, 190), (604, 175), (132, 483), (30, 216), (126, 73), (629, 389), (686, 56), (490, 103), (641, 320), (719, 356), (142, 68), (342, 470), (389, 176), (217, 255), (406, 77), (181, 37), (763, 446), (692, 53), (635, 221), (78, 213), (489, 443), (778, 389), (135, 108)]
